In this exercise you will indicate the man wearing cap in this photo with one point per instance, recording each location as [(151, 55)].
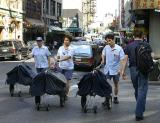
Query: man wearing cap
[(41, 56)]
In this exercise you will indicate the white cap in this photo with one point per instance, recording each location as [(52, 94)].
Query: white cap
[(39, 39)]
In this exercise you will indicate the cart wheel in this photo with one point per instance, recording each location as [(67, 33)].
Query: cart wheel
[(95, 109), (11, 90), (38, 107), (12, 94), (19, 94), (109, 105), (85, 109), (66, 98), (62, 101), (47, 108), (83, 101), (30, 91)]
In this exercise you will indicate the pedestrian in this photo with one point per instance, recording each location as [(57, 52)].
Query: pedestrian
[(145, 38), (139, 79), (55, 44), (65, 58), (112, 56), (41, 56)]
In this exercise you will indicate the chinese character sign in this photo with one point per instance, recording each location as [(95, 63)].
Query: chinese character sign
[(146, 4)]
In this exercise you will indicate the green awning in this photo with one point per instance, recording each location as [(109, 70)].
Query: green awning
[(74, 29), (55, 28)]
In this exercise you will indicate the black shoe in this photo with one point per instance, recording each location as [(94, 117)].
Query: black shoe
[(104, 103), (66, 98), (116, 100), (139, 118)]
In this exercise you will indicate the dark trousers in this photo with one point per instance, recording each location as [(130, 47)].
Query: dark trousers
[(38, 98), (140, 84)]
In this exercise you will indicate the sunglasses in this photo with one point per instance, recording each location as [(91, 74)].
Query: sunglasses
[(109, 40)]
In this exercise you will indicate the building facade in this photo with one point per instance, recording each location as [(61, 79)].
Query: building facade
[(40, 15), (33, 23), (88, 10), (11, 19), (73, 21), (52, 12)]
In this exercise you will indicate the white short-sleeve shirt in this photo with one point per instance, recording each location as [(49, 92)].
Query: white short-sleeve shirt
[(113, 56), (62, 52), (41, 56)]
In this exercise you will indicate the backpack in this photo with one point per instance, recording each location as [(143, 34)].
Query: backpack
[(144, 59)]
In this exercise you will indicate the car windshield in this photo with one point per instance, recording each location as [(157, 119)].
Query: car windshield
[(84, 50), (6, 44)]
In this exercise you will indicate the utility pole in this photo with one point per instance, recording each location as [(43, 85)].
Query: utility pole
[(45, 19), (119, 9)]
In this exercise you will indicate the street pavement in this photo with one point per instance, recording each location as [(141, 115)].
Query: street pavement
[(22, 109)]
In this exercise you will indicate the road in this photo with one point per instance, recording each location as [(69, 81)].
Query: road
[(22, 109)]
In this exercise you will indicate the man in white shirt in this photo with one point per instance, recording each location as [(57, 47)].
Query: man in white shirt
[(41, 56), (65, 58), (112, 56)]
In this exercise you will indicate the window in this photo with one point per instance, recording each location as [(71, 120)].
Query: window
[(84, 50), (17, 44), (59, 11), (47, 6), (13, 4), (33, 9), (52, 9), (6, 44), (24, 5)]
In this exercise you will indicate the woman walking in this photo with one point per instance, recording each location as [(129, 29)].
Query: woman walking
[(65, 58), (41, 56)]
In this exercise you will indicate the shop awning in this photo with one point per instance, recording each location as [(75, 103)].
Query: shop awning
[(74, 29), (55, 28), (35, 22)]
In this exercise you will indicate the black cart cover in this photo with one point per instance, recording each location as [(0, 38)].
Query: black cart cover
[(21, 74), (94, 82), (48, 82)]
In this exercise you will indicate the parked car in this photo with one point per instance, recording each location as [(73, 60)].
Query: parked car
[(13, 49), (86, 55), (31, 44), (79, 39)]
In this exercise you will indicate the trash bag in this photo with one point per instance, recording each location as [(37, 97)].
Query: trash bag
[(48, 82), (21, 74), (94, 82)]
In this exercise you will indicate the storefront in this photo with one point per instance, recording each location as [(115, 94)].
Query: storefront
[(32, 28), (147, 18), (154, 32)]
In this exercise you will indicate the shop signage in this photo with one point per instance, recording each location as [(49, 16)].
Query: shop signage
[(146, 4)]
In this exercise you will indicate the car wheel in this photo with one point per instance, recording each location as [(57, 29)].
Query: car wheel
[(13, 57), (2, 59), (19, 56)]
